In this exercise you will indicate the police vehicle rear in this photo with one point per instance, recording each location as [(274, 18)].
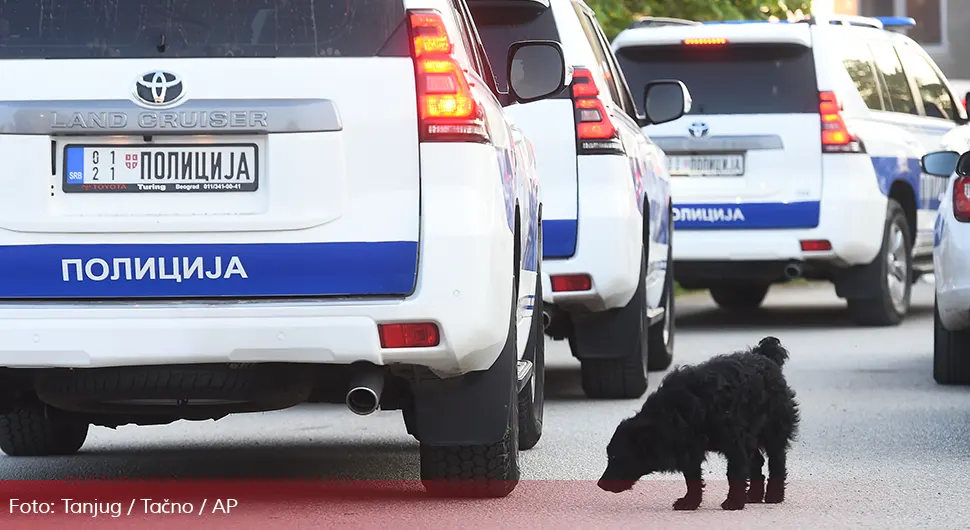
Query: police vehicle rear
[(216, 208), (800, 156)]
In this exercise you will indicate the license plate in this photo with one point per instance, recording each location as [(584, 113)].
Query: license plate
[(160, 168), (706, 165)]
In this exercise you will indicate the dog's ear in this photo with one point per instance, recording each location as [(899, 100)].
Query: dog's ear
[(769, 341)]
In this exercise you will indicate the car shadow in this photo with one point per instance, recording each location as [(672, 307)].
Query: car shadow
[(775, 317)]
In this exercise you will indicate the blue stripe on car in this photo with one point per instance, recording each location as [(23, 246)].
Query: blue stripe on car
[(749, 215), (386, 268), (926, 188), (559, 238)]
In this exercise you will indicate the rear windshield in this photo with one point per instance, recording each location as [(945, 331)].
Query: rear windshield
[(736, 79), (67, 29), (500, 24)]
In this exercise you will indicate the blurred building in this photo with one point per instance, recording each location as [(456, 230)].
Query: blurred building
[(942, 26)]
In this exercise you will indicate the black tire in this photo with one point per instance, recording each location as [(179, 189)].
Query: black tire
[(532, 403), (749, 296), (478, 471), (626, 377), (879, 309), (951, 353), (660, 348), (29, 431)]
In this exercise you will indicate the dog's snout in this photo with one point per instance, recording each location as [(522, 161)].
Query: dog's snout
[(614, 486)]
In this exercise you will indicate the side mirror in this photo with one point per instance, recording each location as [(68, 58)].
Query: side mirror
[(664, 101), (940, 163), (536, 70)]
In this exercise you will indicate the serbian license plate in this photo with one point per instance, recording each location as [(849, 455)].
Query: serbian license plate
[(160, 168), (706, 165)]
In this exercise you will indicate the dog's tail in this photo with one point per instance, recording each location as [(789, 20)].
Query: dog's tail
[(771, 348)]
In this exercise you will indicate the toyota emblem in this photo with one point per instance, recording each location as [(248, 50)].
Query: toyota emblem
[(697, 129), (159, 88)]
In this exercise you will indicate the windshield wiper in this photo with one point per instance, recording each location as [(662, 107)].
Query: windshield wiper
[(162, 45)]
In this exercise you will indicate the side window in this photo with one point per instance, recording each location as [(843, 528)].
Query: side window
[(891, 70), (475, 46), (857, 60), (601, 59), (619, 79), (937, 101), (465, 39)]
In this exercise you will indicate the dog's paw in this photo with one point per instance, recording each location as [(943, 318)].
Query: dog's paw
[(732, 503), (687, 503), (775, 493), (756, 491)]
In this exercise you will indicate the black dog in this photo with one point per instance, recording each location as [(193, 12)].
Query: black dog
[(737, 405)]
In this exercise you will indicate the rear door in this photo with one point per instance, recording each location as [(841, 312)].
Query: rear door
[(939, 112), (197, 149), (548, 123), (752, 134)]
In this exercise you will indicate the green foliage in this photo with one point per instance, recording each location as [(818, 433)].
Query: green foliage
[(616, 15)]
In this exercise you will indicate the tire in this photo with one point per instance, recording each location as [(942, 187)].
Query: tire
[(532, 397), (660, 336), (626, 377), (951, 353), (478, 471), (748, 296), (29, 431), (890, 302)]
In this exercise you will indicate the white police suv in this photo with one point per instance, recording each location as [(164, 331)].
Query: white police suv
[(225, 208), (951, 244), (605, 193), (800, 156)]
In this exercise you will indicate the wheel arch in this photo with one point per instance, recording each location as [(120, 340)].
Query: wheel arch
[(902, 192)]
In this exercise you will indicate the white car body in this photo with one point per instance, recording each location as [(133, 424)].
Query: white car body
[(364, 215), (951, 247), (603, 207), (791, 209)]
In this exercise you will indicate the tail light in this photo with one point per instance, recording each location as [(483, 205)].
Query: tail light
[(447, 109), (961, 199), (595, 133), (836, 137)]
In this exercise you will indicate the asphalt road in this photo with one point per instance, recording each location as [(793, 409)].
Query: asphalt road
[(881, 446)]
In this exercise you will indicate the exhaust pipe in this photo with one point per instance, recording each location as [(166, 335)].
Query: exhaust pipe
[(364, 396), (546, 319), (793, 271)]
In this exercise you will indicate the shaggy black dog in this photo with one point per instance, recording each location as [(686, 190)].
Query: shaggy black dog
[(736, 404)]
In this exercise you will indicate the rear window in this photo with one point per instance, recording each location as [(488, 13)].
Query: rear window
[(733, 79), (74, 29), (502, 23)]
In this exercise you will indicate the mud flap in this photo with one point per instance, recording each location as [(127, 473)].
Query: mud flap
[(472, 409)]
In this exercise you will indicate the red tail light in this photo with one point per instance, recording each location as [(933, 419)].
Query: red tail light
[(416, 335), (447, 109), (836, 137), (571, 282), (961, 199), (595, 133)]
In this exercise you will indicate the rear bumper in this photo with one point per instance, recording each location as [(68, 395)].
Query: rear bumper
[(463, 284), (608, 238), (851, 216)]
